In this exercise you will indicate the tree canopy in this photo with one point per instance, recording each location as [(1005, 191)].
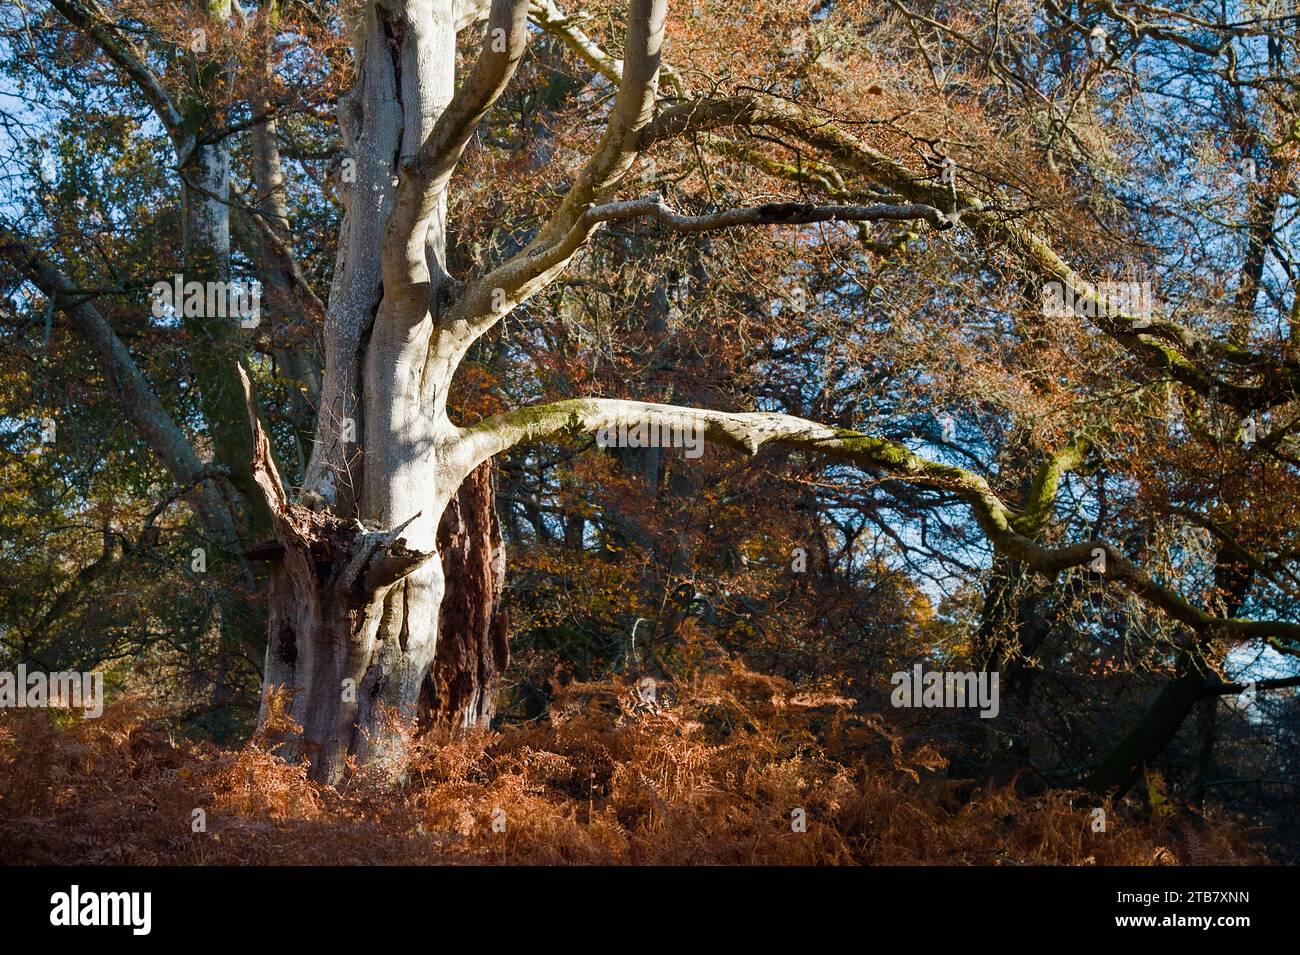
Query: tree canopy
[(675, 375)]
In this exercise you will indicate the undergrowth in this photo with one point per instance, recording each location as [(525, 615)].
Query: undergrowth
[(717, 777)]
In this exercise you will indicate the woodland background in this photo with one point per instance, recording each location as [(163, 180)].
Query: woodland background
[(1170, 159)]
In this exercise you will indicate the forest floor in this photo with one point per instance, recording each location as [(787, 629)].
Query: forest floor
[(739, 769)]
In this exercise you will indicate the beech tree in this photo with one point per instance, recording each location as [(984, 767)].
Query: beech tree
[(383, 570)]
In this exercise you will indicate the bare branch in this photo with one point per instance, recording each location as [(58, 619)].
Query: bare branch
[(265, 474), (773, 213), (556, 22), (1232, 689), (483, 303), (90, 20)]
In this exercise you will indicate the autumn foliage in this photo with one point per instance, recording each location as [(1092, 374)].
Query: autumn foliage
[(770, 596), (710, 777)]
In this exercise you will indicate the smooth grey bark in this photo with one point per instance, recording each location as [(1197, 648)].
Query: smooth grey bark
[(350, 641)]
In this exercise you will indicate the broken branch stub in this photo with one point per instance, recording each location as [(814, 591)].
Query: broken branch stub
[(344, 556)]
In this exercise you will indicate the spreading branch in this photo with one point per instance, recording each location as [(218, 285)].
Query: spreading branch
[(91, 20), (750, 431), (1162, 345), (772, 213)]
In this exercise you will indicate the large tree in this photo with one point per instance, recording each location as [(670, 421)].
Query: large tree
[(391, 534)]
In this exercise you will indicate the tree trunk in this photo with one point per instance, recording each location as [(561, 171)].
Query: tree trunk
[(1120, 768), (351, 633), (472, 650), (216, 350), (357, 581), (356, 651)]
